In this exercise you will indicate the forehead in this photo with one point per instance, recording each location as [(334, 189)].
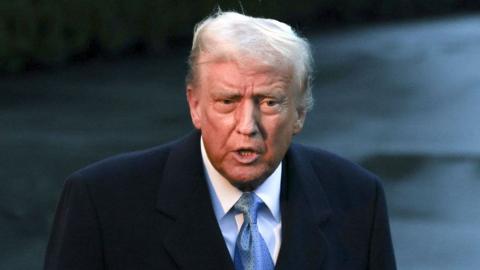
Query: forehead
[(245, 73)]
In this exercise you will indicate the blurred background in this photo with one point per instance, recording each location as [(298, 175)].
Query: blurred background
[(397, 90)]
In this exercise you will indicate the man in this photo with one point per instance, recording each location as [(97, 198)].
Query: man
[(236, 194)]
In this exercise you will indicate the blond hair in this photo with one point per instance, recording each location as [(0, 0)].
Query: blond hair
[(235, 37)]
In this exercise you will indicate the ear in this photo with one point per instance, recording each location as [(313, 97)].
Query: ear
[(193, 97), (298, 125)]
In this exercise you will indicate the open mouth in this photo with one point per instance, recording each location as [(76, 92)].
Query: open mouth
[(246, 156), (246, 152)]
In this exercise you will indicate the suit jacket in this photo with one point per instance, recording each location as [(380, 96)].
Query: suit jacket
[(152, 210)]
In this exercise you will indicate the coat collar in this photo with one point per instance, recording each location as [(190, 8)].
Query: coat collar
[(305, 209), (195, 239)]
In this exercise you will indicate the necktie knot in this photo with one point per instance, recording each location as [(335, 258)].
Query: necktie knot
[(251, 251), (248, 204)]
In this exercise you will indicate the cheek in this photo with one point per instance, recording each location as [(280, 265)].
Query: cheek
[(278, 125), (218, 122), (218, 127), (279, 132)]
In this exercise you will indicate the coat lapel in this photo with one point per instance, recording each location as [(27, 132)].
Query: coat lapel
[(304, 210), (194, 239)]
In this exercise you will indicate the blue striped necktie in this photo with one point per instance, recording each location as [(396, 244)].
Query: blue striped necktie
[(251, 252)]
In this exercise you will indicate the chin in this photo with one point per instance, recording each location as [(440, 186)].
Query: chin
[(247, 181), (247, 185)]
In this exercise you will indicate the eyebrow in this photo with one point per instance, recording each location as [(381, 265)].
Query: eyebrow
[(270, 92), (225, 89), (226, 94)]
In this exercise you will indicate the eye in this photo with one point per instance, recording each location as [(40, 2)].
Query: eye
[(270, 105), (227, 101), (271, 102), (225, 105)]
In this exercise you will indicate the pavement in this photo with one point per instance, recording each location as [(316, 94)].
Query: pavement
[(403, 100), (400, 99)]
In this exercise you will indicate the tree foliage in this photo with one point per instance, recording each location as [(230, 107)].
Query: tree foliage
[(53, 31)]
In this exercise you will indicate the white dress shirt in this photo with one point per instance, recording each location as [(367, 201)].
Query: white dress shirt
[(224, 195)]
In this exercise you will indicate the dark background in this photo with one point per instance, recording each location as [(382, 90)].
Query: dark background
[(397, 90), (55, 32)]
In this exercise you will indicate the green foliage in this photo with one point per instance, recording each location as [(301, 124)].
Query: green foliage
[(52, 31)]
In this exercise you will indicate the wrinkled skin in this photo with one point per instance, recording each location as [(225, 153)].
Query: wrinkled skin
[(247, 118)]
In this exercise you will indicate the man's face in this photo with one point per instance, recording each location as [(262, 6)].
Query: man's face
[(247, 117)]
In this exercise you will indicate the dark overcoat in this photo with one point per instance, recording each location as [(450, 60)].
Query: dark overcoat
[(151, 210)]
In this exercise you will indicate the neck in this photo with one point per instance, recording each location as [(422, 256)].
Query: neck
[(248, 186)]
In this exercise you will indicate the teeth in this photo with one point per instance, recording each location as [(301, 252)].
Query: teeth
[(245, 152)]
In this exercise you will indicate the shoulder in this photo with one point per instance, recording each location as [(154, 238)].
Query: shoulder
[(326, 161), (129, 163), (337, 174), (125, 181), (125, 170)]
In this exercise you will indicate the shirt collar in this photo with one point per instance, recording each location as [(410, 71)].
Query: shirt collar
[(224, 195)]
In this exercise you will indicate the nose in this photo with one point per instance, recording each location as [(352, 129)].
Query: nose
[(247, 119)]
